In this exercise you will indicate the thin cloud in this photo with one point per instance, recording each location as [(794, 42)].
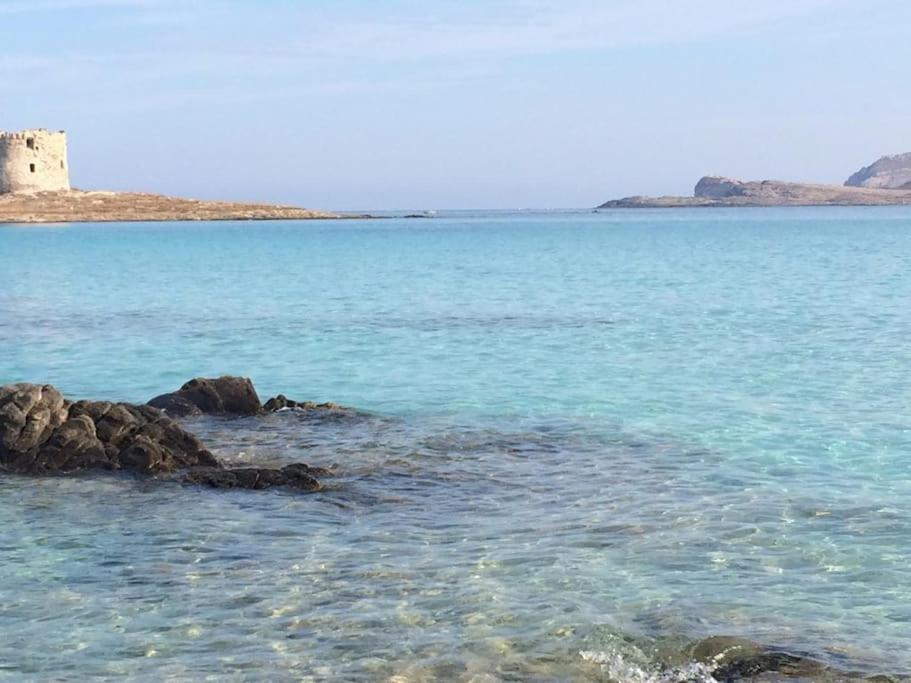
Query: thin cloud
[(214, 40), (518, 28), (34, 6)]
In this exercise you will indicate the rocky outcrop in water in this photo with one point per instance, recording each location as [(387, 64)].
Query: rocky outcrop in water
[(735, 659), (281, 402), (43, 433), (230, 396), (886, 173), (297, 476), (220, 396)]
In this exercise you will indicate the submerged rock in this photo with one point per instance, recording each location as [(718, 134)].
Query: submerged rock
[(734, 659), (281, 402), (42, 433), (298, 476)]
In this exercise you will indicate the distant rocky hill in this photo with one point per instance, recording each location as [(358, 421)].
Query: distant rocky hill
[(887, 181), (889, 172), (718, 191)]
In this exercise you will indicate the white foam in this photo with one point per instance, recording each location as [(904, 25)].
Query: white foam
[(619, 669)]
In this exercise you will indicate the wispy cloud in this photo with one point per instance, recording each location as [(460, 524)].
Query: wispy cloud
[(534, 27), (208, 30), (308, 48), (427, 30), (33, 6)]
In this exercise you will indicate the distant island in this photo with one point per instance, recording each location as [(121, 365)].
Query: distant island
[(35, 188), (885, 182)]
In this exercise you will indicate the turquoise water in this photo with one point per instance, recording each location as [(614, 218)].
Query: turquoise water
[(590, 437)]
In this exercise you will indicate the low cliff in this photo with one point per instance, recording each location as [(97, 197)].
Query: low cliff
[(77, 206)]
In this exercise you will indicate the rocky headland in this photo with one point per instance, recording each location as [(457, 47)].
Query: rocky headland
[(888, 173), (75, 206), (886, 182), (42, 433)]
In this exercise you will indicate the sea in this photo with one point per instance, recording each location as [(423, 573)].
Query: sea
[(582, 441)]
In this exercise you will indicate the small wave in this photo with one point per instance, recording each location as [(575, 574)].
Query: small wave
[(619, 668)]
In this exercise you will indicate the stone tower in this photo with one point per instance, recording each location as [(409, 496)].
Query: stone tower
[(33, 161)]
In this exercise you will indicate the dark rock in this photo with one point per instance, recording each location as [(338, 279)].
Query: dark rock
[(234, 396), (73, 445), (282, 402), (277, 403), (175, 405), (41, 433), (733, 659), (29, 413), (143, 455), (716, 187), (293, 476), (142, 438), (219, 396)]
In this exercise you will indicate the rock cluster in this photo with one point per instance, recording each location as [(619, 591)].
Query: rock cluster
[(298, 476), (41, 433), (219, 396), (234, 396), (280, 402)]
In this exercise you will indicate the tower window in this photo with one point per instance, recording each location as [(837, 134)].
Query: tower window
[(31, 167), (30, 143), (61, 163)]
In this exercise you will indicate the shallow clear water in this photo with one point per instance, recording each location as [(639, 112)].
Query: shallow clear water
[(590, 437)]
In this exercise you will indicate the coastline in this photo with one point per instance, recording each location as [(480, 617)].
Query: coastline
[(726, 193), (77, 206)]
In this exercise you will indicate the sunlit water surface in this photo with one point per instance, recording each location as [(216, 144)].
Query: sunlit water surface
[(587, 440)]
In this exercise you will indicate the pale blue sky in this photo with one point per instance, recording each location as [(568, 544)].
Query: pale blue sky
[(502, 103)]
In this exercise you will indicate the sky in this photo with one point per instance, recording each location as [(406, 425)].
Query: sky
[(433, 104)]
